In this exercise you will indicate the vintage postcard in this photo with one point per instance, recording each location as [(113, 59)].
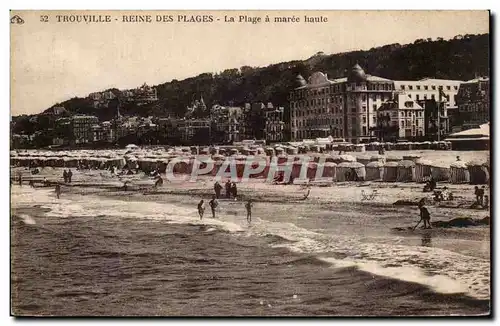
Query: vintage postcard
[(250, 163)]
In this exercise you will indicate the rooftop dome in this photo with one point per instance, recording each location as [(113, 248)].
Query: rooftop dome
[(356, 74), (300, 81)]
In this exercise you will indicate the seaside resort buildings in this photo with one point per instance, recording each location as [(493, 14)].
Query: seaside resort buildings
[(348, 107)]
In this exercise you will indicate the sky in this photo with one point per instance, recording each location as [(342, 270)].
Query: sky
[(55, 61)]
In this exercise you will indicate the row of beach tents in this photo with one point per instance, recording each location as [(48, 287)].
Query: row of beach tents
[(340, 168)]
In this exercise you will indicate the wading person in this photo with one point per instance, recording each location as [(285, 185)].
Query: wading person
[(58, 190), (424, 216), (213, 205), (20, 179), (158, 183), (248, 207), (65, 176), (201, 208)]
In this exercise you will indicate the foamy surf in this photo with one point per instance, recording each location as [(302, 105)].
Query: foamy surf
[(442, 270)]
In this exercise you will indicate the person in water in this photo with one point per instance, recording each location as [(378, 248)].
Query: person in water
[(248, 207), (213, 205), (58, 190), (201, 208), (65, 176), (425, 215)]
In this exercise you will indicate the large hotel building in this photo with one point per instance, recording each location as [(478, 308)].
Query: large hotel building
[(347, 107)]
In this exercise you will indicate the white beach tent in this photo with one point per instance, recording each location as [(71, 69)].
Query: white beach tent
[(131, 146)]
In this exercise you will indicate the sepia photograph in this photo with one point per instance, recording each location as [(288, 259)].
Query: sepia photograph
[(250, 163)]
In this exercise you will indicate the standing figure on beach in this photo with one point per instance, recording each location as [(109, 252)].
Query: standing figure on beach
[(248, 207), (70, 175), (58, 190), (234, 190), (228, 189), (424, 216), (477, 194), (481, 195), (201, 208), (158, 183), (65, 176), (217, 189), (20, 179), (213, 205)]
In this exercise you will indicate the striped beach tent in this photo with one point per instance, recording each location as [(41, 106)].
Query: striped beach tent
[(350, 171), (374, 170), (423, 170), (440, 172), (390, 171), (478, 173), (405, 171), (459, 173)]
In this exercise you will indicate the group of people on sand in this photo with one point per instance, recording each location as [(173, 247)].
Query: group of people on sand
[(67, 175), (214, 203), (230, 187)]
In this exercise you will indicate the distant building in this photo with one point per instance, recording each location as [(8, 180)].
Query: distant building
[(400, 118), (275, 125), (144, 95), (343, 107), (103, 132), (81, 128), (225, 124), (194, 131), (55, 111), (428, 89), (473, 101), (101, 99), (253, 124)]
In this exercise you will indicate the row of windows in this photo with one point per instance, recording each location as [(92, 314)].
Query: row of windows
[(409, 113), (426, 87), (317, 122), (299, 113), (318, 101)]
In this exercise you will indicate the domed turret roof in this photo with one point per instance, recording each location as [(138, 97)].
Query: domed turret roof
[(300, 81), (356, 74)]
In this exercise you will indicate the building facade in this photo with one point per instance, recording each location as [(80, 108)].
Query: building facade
[(225, 124), (400, 118), (275, 125), (81, 128), (343, 108), (194, 131), (473, 101)]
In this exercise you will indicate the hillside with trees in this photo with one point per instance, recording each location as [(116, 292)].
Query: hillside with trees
[(461, 58)]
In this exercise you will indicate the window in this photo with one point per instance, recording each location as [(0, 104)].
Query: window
[(364, 119), (364, 130), (353, 120), (409, 95), (433, 96), (374, 106), (448, 87), (426, 87), (455, 87), (363, 98), (364, 108), (417, 97), (410, 87), (433, 87), (425, 96), (418, 87)]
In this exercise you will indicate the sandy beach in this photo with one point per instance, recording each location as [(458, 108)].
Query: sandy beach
[(315, 253)]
